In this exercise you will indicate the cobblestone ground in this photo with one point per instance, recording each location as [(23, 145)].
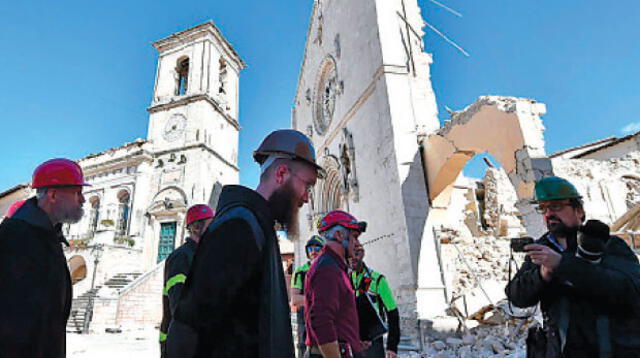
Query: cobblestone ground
[(132, 342)]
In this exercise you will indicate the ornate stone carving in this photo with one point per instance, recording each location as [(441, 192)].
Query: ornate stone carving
[(348, 167)]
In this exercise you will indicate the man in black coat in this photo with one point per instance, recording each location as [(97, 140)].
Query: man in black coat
[(234, 303), (586, 281), (177, 265), (35, 285)]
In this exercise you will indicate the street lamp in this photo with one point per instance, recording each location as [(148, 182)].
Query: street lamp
[(96, 251)]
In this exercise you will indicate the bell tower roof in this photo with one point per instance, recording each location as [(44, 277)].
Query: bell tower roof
[(191, 35)]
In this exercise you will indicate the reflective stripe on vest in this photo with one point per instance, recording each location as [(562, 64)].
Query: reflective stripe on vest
[(179, 278)]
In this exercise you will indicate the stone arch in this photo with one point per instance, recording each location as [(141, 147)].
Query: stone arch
[(511, 131), (95, 201), (330, 193), (123, 217), (508, 128), (169, 199)]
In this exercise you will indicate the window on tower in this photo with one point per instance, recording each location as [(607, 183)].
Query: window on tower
[(182, 78), (222, 76)]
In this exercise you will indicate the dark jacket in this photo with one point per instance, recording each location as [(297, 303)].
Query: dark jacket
[(176, 268), (589, 310), (329, 300), (234, 302), (35, 286)]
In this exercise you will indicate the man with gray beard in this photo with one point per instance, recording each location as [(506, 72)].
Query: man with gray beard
[(34, 278), (234, 302)]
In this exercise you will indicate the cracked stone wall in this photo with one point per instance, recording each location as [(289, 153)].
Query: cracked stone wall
[(500, 199), (608, 186)]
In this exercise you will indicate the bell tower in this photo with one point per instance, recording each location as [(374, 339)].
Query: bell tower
[(193, 131), (195, 97)]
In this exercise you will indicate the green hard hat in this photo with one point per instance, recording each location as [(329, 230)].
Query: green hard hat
[(555, 188), (315, 240)]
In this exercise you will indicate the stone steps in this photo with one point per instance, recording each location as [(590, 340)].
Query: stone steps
[(80, 304)]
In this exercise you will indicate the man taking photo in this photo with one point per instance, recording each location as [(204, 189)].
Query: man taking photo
[(586, 281)]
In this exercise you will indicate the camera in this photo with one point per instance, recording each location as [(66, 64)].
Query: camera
[(518, 243)]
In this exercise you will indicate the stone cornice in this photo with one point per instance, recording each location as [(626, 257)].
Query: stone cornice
[(196, 146), (127, 160), (194, 98), (193, 33)]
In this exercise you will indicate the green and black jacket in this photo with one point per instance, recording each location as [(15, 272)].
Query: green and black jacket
[(376, 285), (176, 268)]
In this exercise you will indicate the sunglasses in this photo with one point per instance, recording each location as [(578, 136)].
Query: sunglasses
[(554, 208), (314, 248)]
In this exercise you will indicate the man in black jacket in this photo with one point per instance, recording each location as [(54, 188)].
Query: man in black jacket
[(35, 285), (234, 303), (176, 266), (586, 281)]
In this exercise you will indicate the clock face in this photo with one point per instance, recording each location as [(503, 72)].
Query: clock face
[(174, 127)]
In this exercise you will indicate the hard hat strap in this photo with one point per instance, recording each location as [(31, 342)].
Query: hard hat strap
[(271, 159)]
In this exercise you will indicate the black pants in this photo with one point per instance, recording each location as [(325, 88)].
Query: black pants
[(376, 350), (302, 332)]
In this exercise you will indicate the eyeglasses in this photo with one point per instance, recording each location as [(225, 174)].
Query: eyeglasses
[(307, 186), (314, 248), (553, 207)]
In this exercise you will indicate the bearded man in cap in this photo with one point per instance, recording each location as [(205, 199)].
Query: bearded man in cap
[(34, 277), (586, 281), (234, 302)]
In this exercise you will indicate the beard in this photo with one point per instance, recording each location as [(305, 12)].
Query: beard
[(69, 213), (285, 208), (560, 229)]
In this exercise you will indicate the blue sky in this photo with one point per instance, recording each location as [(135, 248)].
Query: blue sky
[(76, 77)]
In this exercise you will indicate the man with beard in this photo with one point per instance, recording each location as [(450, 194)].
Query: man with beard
[(366, 281), (34, 278), (586, 281), (176, 266), (312, 249), (234, 302)]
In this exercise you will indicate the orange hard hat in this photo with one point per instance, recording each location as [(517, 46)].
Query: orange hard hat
[(13, 208), (199, 212), (291, 143), (57, 172)]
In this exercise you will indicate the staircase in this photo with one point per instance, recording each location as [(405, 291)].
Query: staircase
[(79, 307), (80, 304), (121, 280)]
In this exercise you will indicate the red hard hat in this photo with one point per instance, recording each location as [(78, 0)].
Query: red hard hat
[(56, 172), (199, 212), (343, 218), (13, 208)]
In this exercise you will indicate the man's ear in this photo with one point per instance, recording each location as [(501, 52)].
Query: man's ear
[(281, 174), (52, 194)]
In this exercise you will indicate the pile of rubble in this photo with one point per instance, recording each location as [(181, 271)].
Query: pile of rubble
[(470, 262), (479, 342), (476, 270)]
